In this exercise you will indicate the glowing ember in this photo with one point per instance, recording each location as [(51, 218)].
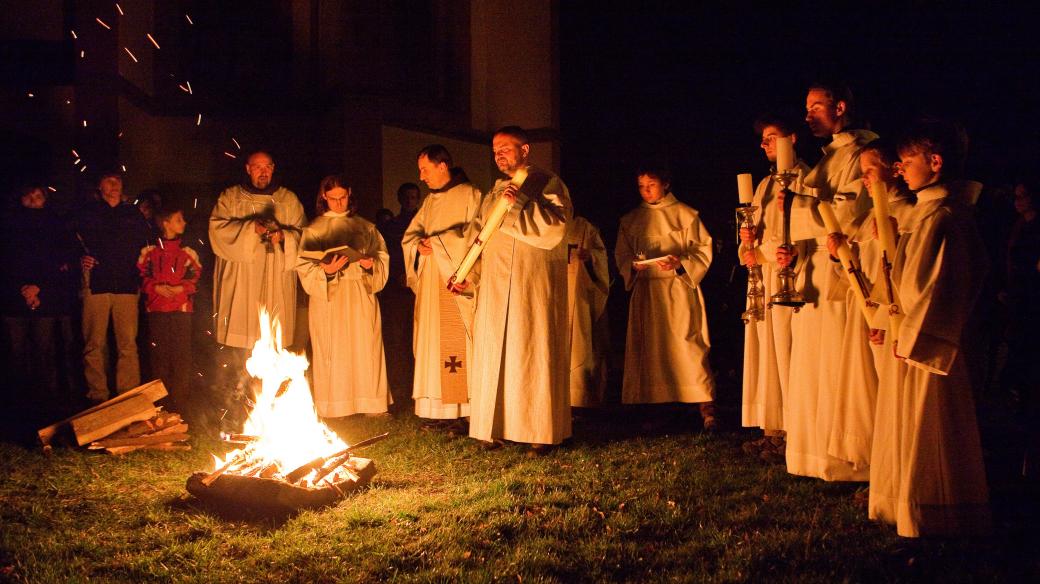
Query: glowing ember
[(284, 425), (151, 38)]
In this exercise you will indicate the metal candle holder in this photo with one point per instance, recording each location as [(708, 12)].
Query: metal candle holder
[(756, 292), (787, 294)]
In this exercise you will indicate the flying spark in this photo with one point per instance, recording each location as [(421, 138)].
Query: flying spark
[(151, 38), (198, 120), (183, 88), (120, 9), (131, 54), (229, 155), (31, 94), (189, 19), (52, 189), (73, 34), (237, 145), (74, 153), (188, 83), (123, 166), (102, 23), (75, 162), (84, 123), (83, 168), (82, 54), (196, 205)]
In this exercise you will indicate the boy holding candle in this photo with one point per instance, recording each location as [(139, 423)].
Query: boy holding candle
[(927, 475), (767, 342)]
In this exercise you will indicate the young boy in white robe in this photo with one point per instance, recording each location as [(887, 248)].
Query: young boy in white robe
[(926, 472), (348, 363), (663, 252)]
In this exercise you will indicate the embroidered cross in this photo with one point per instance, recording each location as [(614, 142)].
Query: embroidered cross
[(453, 364)]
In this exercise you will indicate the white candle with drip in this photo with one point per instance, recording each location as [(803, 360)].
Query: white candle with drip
[(745, 190), (784, 153)]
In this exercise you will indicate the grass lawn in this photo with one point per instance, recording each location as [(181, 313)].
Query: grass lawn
[(613, 504)]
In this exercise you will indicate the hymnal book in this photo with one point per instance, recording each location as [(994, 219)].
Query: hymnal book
[(329, 255)]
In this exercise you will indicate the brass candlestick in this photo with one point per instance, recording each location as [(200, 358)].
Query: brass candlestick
[(787, 294), (756, 292)]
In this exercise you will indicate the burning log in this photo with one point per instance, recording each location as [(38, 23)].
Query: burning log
[(317, 463)]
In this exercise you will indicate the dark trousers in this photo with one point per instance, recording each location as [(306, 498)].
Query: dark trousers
[(169, 344)]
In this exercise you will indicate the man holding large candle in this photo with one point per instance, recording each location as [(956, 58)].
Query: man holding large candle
[(817, 330), (767, 342), (520, 389)]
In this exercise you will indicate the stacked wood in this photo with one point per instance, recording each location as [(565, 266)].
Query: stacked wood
[(130, 421)]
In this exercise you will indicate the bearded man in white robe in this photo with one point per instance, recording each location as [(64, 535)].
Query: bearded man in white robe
[(255, 232), (520, 388), (434, 243), (817, 329), (927, 474), (767, 342)]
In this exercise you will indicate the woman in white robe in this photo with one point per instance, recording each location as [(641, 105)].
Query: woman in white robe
[(587, 286), (348, 363), (666, 349)]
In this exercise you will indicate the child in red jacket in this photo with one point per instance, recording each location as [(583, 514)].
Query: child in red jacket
[(169, 273)]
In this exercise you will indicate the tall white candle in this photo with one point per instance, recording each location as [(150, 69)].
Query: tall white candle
[(784, 153), (745, 189)]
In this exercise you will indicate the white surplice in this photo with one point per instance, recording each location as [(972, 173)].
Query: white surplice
[(348, 363), (666, 348), (852, 427), (520, 388), (927, 474), (817, 329), (587, 287), (245, 276), (445, 217), (767, 342)]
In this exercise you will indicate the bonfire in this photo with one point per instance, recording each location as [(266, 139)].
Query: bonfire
[(287, 457)]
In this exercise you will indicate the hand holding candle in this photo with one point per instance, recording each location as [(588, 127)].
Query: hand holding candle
[(845, 255), (494, 221)]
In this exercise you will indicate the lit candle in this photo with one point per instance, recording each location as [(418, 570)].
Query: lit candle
[(784, 153), (745, 189)]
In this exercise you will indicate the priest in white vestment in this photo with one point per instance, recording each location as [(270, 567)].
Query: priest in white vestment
[(852, 427), (434, 244), (663, 252), (588, 283), (520, 388), (348, 364), (255, 232), (927, 474), (767, 342), (817, 329)]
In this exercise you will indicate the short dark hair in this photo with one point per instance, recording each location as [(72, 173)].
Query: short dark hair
[(164, 213), (766, 120), (109, 174), (886, 149), (327, 184), (436, 154), (404, 188), (838, 91), (514, 131), (655, 170), (937, 136)]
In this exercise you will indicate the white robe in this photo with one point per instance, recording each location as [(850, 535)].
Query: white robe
[(666, 348), (245, 277), (852, 428), (520, 377), (817, 330), (445, 217), (927, 474), (588, 283), (348, 364), (767, 342)]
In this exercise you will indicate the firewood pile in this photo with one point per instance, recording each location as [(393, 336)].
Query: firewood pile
[(130, 421)]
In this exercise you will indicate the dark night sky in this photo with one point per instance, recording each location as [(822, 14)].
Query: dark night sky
[(685, 85)]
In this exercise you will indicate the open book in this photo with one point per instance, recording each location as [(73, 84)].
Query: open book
[(328, 255)]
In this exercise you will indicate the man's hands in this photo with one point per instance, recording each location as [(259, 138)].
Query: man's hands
[(669, 263), (510, 192), (88, 262), (366, 262), (877, 336), (785, 256), (459, 287), (425, 247), (274, 235), (834, 241)]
